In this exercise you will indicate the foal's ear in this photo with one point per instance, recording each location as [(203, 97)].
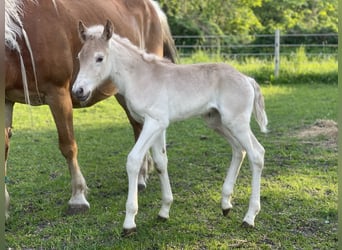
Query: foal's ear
[(82, 31), (108, 30)]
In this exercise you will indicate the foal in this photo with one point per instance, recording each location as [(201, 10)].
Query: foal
[(158, 92)]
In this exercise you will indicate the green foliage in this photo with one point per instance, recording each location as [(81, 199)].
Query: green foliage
[(212, 17), (248, 17), (244, 18), (298, 16)]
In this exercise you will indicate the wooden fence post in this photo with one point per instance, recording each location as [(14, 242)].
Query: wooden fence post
[(276, 53)]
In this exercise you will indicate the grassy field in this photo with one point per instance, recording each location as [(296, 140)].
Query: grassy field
[(298, 194)]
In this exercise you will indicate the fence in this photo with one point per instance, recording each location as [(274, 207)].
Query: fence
[(258, 45), (269, 45)]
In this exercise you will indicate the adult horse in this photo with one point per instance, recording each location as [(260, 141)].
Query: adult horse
[(41, 61)]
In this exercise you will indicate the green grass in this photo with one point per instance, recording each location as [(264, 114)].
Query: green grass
[(298, 195), (297, 68)]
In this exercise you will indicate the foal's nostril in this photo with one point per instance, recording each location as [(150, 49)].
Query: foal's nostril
[(79, 92)]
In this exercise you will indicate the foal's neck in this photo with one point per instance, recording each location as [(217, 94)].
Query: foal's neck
[(128, 63)]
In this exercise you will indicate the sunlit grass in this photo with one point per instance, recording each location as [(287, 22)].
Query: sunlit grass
[(295, 68), (298, 188)]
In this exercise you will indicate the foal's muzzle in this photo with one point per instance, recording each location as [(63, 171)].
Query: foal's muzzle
[(80, 94)]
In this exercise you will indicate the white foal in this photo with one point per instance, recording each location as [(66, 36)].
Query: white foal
[(158, 92)]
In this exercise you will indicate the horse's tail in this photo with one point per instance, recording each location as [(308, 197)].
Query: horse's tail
[(259, 106), (169, 48)]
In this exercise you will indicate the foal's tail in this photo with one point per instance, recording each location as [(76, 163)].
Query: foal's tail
[(259, 106), (170, 50)]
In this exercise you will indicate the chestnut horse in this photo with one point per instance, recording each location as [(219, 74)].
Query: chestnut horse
[(41, 62)]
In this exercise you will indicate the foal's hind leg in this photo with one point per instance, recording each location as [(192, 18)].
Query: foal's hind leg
[(61, 108), (213, 120), (160, 158), (255, 153), (238, 155)]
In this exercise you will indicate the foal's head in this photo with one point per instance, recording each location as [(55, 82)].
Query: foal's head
[(93, 57)]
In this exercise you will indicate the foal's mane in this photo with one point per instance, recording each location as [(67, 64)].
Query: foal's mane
[(147, 57)]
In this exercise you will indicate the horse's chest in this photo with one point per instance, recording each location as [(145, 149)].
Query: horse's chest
[(135, 111), (147, 106)]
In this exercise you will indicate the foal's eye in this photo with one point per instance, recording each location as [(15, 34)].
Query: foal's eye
[(99, 59)]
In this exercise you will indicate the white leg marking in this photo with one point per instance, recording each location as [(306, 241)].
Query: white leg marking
[(79, 190)]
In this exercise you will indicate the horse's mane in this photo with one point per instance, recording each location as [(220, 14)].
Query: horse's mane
[(13, 24), (14, 29), (147, 57)]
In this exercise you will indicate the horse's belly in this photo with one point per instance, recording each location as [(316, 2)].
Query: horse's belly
[(16, 95)]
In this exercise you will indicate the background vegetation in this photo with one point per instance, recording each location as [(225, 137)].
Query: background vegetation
[(250, 16), (299, 183), (240, 21)]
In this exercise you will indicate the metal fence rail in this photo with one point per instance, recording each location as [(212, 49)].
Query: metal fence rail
[(260, 45)]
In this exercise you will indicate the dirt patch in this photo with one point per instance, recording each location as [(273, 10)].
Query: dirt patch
[(323, 132)]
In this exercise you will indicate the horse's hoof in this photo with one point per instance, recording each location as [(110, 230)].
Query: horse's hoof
[(246, 225), (141, 187), (225, 212), (77, 209), (162, 219), (128, 232)]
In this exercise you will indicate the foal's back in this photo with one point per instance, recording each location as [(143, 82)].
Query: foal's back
[(195, 89)]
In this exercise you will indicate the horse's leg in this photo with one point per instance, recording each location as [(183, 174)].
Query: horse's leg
[(61, 108), (160, 159), (255, 152), (6, 156), (8, 125), (213, 120), (256, 160), (151, 130), (147, 163), (238, 155)]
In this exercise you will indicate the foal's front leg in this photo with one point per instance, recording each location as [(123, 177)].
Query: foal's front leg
[(147, 163), (151, 130)]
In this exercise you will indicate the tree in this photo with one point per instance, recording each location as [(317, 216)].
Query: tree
[(245, 17)]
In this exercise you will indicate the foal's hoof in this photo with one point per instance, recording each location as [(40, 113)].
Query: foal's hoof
[(77, 209), (245, 224), (128, 232), (141, 187), (162, 219), (225, 212)]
